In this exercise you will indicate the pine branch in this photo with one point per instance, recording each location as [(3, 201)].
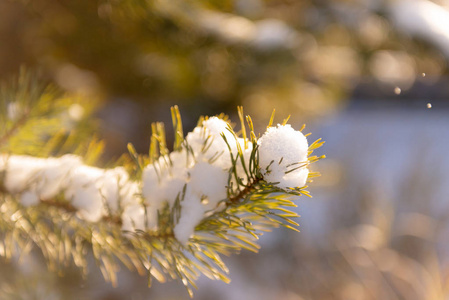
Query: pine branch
[(215, 194), (243, 193)]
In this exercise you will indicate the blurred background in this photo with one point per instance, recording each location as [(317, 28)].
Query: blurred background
[(369, 77)]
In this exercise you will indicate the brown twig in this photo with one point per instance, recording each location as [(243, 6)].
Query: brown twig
[(248, 188)]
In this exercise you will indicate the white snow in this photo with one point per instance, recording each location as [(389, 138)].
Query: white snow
[(45, 176), (84, 192), (133, 218), (22, 171), (192, 213), (209, 181), (294, 179), (180, 161), (208, 144), (93, 191), (162, 183), (54, 175), (113, 187), (150, 181), (281, 150)]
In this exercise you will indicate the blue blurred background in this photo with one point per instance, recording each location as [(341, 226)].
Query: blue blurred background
[(369, 77)]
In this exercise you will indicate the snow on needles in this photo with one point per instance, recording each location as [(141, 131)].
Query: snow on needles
[(283, 156), (93, 192), (196, 180), (197, 177)]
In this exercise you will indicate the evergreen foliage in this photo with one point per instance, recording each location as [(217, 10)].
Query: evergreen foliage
[(37, 120)]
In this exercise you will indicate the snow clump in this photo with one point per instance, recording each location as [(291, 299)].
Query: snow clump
[(208, 145), (283, 156)]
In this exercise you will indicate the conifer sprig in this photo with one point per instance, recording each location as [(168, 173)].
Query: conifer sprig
[(130, 228)]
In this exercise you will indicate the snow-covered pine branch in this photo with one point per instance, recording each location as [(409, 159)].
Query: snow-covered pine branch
[(197, 177), (171, 217)]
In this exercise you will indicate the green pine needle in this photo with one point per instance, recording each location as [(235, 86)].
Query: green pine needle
[(253, 205)]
